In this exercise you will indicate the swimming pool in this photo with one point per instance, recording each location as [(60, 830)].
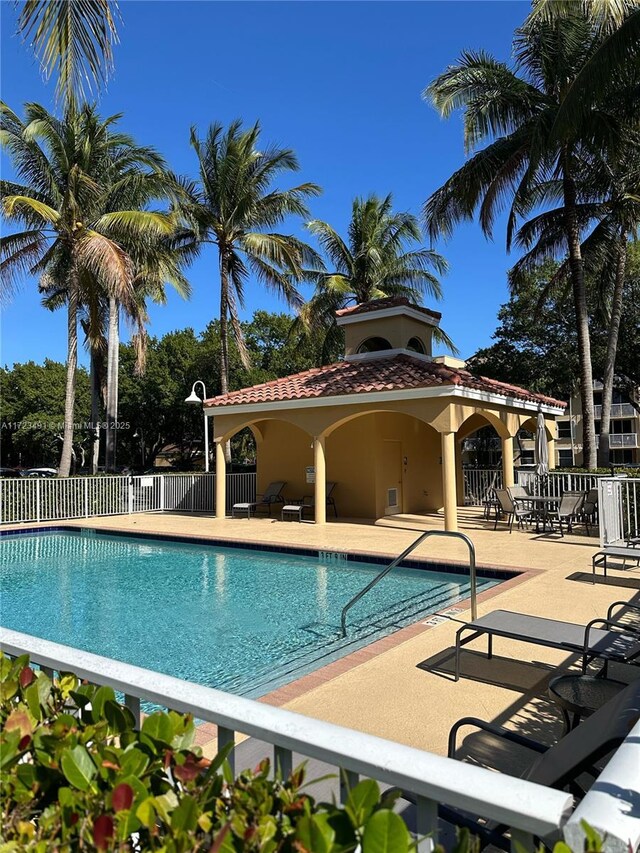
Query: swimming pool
[(245, 621)]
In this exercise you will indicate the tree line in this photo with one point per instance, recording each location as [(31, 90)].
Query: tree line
[(106, 225), (153, 416)]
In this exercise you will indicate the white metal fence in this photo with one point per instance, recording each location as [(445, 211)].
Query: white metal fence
[(479, 482), (36, 499), (529, 809), (619, 511), (555, 484)]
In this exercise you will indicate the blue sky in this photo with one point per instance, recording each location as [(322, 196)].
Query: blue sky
[(339, 82)]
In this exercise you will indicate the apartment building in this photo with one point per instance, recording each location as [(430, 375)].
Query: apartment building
[(624, 440)]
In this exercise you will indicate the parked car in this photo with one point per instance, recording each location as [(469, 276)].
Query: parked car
[(10, 472), (41, 472)]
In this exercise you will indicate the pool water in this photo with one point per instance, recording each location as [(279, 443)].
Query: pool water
[(245, 621)]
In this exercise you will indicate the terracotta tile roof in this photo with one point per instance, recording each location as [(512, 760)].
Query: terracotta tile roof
[(397, 373), (387, 302)]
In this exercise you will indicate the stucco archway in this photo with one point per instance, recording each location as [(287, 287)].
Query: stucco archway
[(383, 462)]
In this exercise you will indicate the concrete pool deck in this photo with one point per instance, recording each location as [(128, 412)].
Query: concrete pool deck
[(403, 689)]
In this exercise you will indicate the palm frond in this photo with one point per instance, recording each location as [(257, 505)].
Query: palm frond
[(72, 39)]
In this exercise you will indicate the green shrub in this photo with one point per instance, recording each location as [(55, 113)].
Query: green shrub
[(76, 775)]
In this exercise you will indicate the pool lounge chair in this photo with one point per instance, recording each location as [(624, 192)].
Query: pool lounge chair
[(614, 641), (271, 496), (309, 501), (565, 765)]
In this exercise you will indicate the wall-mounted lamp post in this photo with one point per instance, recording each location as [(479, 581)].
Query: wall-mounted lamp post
[(193, 398)]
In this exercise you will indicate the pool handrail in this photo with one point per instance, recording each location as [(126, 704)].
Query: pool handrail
[(448, 533)]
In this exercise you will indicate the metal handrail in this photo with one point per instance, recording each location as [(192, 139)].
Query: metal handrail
[(449, 533)]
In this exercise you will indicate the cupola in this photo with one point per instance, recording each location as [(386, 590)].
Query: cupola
[(387, 326)]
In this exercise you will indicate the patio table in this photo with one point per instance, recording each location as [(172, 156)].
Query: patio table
[(541, 505), (581, 695)]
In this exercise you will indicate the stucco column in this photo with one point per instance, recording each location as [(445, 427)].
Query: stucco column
[(221, 481), (449, 489), (507, 462), (321, 480)]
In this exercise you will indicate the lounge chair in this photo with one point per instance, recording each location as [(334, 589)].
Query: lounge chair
[(566, 764), (271, 496), (511, 509), (615, 641), (309, 501)]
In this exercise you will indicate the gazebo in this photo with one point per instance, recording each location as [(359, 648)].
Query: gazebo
[(385, 424)]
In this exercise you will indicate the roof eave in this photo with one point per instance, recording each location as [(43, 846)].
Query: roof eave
[(445, 390)]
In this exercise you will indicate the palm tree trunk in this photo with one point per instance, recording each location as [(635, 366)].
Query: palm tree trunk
[(72, 365), (113, 346), (94, 382), (224, 334), (582, 316), (612, 346)]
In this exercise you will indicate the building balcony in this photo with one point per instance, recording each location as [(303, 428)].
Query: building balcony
[(621, 439), (618, 410)]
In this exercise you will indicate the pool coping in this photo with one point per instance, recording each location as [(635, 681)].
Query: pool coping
[(207, 732)]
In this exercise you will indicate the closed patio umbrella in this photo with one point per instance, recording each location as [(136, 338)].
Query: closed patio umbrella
[(541, 448)]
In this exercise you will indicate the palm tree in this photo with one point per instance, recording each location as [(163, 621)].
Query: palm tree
[(524, 163), (71, 235), (231, 205), (617, 214), (73, 38), (375, 261), (618, 53)]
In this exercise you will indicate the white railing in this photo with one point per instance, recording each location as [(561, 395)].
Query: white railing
[(479, 483), (556, 484), (619, 511), (618, 410), (611, 806), (623, 439), (529, 809), (36, 499)]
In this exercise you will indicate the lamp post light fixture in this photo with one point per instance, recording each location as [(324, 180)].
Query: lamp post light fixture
[(139, 433), (193, 398)]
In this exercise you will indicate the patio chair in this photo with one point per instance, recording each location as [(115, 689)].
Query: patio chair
[(518, 491), (590, 508), (511, 509), (271, 496), (615, 641), (564, 765), (569, 510), (309, 501)]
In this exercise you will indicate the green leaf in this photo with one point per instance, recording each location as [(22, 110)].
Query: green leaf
[(78, 767), (385, 832), (119, 718), (146, 813), (362, 801), (158, 727), (133, 762), (315, 834), (102, 695), (32, 698), (219, 760), (185, 816)]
